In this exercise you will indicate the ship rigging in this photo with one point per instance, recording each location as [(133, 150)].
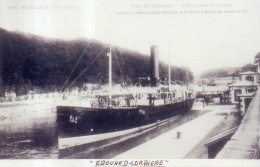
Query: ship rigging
[(122, 109)]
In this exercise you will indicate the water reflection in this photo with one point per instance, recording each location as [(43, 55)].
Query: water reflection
[(28, 132)]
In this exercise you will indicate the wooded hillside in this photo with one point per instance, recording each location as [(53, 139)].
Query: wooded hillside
[(29, 62)]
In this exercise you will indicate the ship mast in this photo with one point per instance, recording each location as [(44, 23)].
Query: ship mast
[(110, 75)]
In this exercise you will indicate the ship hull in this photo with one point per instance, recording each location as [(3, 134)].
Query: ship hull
[(78, 121)]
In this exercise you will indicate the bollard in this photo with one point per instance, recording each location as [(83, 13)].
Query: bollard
[(178, 135)]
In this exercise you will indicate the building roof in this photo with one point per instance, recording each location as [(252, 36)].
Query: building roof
[(243, 83), (248, 73)]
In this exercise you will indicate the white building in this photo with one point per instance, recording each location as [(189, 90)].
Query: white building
[(242, 91), (241, 87), (257, 64), (250, 76)]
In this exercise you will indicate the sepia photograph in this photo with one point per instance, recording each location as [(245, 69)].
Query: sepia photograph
[(129, 82)]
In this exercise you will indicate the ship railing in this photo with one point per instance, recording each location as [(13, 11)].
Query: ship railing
[(142, 102), (158, 101), (115, 105)]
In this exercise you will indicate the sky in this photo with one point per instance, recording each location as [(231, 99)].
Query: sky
[(198, 34)]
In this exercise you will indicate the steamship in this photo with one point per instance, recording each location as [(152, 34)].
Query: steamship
[(115, 111)]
